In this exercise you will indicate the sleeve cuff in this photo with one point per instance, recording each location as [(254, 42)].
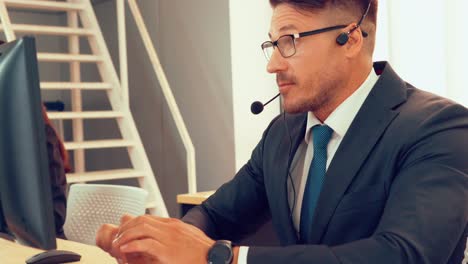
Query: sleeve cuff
[(242, 259)]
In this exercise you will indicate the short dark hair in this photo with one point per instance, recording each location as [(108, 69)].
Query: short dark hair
[(311, 5)]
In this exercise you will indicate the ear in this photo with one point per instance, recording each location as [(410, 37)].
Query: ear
[(355, 42)]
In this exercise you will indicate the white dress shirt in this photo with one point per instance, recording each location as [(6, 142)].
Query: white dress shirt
[(465, 260), (339, 120)]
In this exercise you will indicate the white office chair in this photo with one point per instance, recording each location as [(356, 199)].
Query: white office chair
[(91, 205)]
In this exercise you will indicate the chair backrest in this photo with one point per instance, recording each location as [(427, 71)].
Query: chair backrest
[(92, 205)]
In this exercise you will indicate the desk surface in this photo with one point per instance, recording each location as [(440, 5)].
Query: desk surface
[(12, 253), (193, 198)]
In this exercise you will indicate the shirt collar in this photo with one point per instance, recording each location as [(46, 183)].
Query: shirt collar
[(342, 117)]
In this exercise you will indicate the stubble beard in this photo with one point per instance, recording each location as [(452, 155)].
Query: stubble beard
[(318, 99)]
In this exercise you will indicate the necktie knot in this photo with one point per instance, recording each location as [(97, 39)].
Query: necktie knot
[(321, 136)]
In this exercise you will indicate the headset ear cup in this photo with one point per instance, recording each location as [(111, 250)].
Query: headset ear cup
[(342, 39)]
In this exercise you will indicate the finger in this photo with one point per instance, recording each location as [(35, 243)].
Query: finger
[(105, 235), (164, 219), (126, 218), (138, 232), (148, 247), (115, 253), (140, 220)]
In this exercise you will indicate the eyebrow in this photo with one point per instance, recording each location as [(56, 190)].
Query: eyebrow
[(286, 27)]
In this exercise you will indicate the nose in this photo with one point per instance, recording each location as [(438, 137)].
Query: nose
[(277, 63)]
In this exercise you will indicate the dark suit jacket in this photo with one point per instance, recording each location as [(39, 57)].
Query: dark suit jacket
[(396, 190)]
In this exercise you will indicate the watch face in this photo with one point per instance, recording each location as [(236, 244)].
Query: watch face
[(220, 254)]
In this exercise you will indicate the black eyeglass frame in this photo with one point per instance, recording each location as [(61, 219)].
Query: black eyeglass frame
[(314, 32), (297, 36)]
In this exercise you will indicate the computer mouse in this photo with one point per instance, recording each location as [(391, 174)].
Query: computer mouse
[(54, 257)]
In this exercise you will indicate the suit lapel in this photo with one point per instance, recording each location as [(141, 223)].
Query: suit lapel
[(367, 127), (284, 225)]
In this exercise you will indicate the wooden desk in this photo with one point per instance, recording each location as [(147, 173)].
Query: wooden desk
[(13, 253), (189, 200), (193, 198)]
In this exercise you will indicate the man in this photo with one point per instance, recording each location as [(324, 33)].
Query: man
[(363, 168)]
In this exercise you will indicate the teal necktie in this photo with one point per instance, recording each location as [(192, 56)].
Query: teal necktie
[(321, 136)]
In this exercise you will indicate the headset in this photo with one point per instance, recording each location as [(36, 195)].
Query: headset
[(343, 38)]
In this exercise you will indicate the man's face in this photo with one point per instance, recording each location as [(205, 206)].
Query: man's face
[(309, 79)]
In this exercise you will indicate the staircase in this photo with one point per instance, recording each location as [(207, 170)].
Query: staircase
[(82, 22)]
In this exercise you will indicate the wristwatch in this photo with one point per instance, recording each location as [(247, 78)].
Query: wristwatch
[(220, 253)]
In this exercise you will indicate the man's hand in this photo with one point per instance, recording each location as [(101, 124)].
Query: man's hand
[(107, 234), (158, 240)]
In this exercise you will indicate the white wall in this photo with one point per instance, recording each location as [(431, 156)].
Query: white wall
[(457, 42), (412, 45), (249, 25), (381, 52), (425, 43)]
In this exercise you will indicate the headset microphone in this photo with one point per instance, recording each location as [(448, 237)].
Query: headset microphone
[(343, 38), (257, 107)]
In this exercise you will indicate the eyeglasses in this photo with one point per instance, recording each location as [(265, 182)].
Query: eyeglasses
[(287, 43)]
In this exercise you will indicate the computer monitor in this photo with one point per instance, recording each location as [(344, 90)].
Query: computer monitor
[(26, 207)]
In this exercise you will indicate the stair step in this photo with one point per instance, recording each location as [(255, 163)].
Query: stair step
[(98, 144), (104, 175), (49, 30), (75, 85), (44, 5), (59, 57), (85, 115)]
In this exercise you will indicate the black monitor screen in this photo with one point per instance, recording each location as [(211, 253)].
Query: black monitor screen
[(26, 208)]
